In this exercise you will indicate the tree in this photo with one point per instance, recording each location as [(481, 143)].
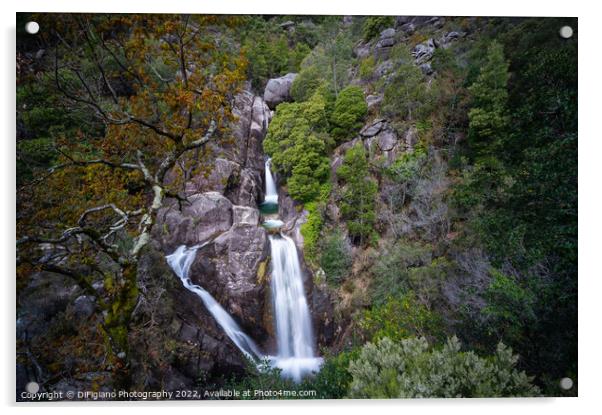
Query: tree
[(407, 95), (161, 90), (350, 108), (412, 369), (335, 256), (297, 143), (328, 63), (488, 117), (358, 194), (306, 83), (509, 311)]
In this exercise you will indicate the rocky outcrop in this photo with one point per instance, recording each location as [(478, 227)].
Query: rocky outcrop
[(450, 37), (385, 145), (385, 43), (373, 128), (423, 52), (278, 90), (409, 24), (224, 174), (237, 162), (200, 218), (228, 269), (179, 340), (373, 101), (252, 119)]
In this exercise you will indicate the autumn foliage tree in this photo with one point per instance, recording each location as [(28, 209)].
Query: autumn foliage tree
[(161, 87)]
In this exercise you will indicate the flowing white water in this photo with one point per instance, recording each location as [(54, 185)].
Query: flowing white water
[(294, 332), (180, 262), (293, 320), (271, 194)]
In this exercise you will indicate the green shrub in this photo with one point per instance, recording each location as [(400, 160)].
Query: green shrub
[(331, 60), (407, 95), (367, 66), (376, 24), (269, 55), (335, 256), (350, 109), (310, 169), (312, 228), (298, 148), (406, 166), (296, 56), (391, 269), (358, 195), (38, 150), (333, 379), (510, 307), (262, 378), (488, 117), (306, 83), (399, 318), (410, 368)]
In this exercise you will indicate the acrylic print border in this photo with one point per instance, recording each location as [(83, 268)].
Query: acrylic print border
[(248, 207)]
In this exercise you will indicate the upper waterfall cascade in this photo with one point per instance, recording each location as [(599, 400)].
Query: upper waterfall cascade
[(294, 333), (271, 194)]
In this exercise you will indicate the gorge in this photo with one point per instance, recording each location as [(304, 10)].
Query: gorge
[(295, 354)]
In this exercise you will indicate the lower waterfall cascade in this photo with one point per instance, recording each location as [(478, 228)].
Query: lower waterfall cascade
[(294, 332), (293, 320), (180, 262)]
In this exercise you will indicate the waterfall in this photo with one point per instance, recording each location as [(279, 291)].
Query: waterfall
[(271, 194), (180, 262), (294, 334), (293, 320)]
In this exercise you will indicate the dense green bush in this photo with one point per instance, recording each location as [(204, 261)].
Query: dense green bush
[(376, 24), (400, 317), (367, 66), (335, 256), (358, 195), (519, 193), (312, 228), (412, 369), (402, 175), (488, 118), (330, 61), (263, 378), (509, 310), (408, 267), (349, 111), (391, 269), (38, 151), (306, 83), (333, 380), (298, 148)]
